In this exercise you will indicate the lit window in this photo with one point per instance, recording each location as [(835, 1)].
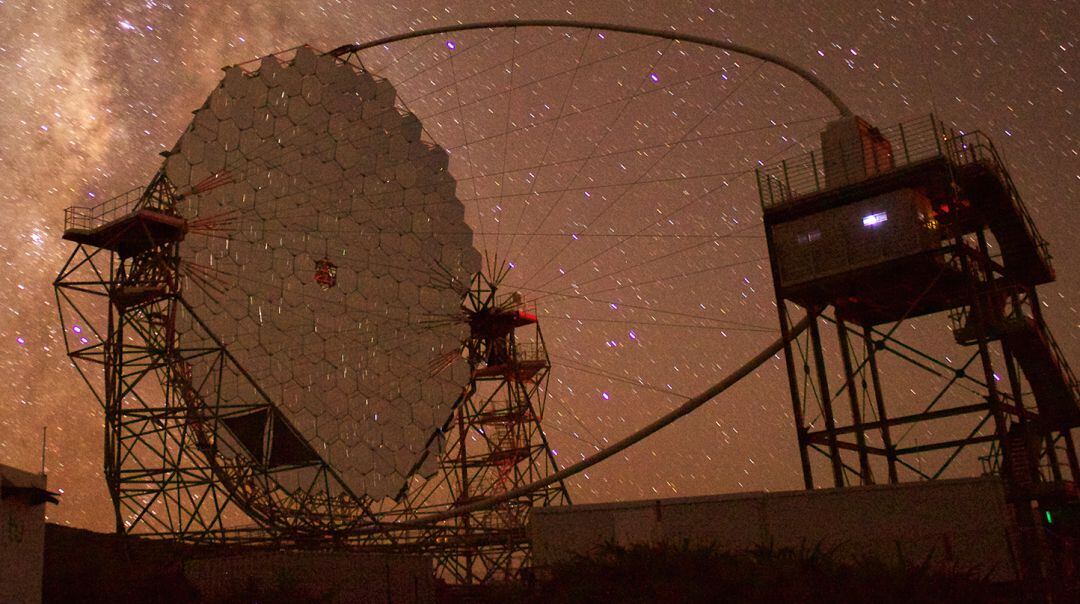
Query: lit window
[(872, 220), (809, 237)]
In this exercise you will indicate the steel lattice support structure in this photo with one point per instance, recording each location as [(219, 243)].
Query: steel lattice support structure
[(848, 422), (158, 483), (181, 466), (176, 464), (494, 442), (884, 227)]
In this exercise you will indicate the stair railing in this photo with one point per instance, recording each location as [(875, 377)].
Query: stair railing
[(1059, 357), (974, 147)]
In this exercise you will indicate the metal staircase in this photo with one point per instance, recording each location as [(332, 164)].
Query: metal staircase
[(1011, 316), (981, 174)]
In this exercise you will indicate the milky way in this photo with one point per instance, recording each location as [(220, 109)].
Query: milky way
[(93, 91)]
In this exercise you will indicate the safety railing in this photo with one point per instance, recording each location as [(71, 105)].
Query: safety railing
[(529, 350), (1010, 307), (991, 462), (976, 147), (1059, 357), (89, 218), (529, 346), (789, 180), (1001, 306), (860, 158), (158, 196)]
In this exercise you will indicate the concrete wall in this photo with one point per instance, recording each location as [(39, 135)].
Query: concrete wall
[(963, 522), (22, 537)]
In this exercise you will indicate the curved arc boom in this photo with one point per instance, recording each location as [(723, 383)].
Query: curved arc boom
[(768, 57)]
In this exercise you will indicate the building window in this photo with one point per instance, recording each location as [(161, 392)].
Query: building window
[(872, 220)]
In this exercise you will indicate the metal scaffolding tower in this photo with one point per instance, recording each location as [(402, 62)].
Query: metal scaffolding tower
[(494, 441), (888, 226)]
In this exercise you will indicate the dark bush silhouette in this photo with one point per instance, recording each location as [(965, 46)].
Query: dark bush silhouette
[(660, 573)]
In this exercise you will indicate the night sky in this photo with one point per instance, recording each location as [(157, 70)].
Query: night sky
[(632, 221)]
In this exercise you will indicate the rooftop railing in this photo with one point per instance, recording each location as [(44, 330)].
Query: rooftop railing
[(1059, 356), (798, 177), (157, 196), (976, 147), (89, 218), (795, 179)]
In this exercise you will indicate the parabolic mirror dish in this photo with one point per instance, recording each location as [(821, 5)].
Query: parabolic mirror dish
[(330, 264)]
